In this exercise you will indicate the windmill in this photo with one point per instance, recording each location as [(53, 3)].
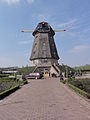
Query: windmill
[(44, 53)]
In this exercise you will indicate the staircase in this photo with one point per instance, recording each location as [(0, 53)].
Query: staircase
[(55, 70)]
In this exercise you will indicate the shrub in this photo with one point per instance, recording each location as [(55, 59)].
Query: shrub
[(87, 88), (81, 84), (63, 81), (85, 94), (76, 83), (9, 91)]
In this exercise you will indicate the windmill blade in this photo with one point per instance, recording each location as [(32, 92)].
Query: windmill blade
[(27, 31), (30, 31), (59, 30)]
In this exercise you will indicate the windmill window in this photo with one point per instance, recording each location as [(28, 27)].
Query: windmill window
[(44, 43), (44, 46), (40, 26), (44, 60)]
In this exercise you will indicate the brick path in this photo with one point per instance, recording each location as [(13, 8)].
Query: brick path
[(46, 99)]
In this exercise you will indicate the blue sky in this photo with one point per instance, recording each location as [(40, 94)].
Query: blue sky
[(73, 45)]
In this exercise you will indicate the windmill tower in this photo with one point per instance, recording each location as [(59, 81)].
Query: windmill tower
[(44, 54)]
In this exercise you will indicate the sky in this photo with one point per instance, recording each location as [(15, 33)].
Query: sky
[(73, 15)]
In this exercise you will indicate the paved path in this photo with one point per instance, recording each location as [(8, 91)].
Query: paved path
[(46, 99)]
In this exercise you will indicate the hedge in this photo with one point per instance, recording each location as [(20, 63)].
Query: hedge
[(63, 81), (23, 82), (81, 92), (9, 91)]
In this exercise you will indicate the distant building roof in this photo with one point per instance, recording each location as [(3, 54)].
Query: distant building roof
[(9, 72)]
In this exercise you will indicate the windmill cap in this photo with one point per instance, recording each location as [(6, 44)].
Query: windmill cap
[(43, 27)]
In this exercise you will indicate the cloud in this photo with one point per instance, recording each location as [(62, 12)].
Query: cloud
[(77, 28), (9, 2), (41, 17), (69, 24), (30, 1), (6, 61), (80, 48), (25, 42)]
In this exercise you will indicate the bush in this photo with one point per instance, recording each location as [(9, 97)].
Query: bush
[(63, 81), (85, 94), (76, 83), (9, 91), (87, 88), (81, 84), (7, 85), (3, 75)]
